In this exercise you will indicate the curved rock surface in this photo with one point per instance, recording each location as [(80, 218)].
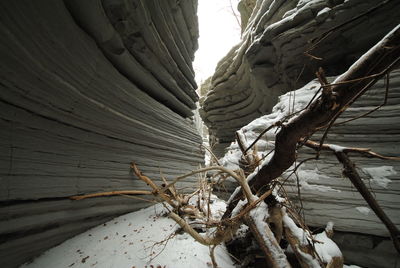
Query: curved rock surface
[(271, 59), (86, 87)]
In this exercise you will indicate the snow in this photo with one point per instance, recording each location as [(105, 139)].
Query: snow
[(306, 176), (302, 6), (251, 131), (297, 232), (131, 241), (278, 198), (379, 175), (363, 210), (327, 249), (329, 227), (311, 262), (324, 11), (231, 159), (233, 195), (242, 231), (259, 215), (249, 178), (240, 205), (336, 148)]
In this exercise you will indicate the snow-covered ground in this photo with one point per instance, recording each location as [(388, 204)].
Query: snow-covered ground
[(149, 239), (133, 240)]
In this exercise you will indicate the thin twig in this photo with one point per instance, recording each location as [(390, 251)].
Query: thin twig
[(276, 124), (363, 151), (373, 110), (102, 194), (212, 154), (336, 116), (214, 262), (234, 14)]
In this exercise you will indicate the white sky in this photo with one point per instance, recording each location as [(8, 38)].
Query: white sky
[(219, 32)]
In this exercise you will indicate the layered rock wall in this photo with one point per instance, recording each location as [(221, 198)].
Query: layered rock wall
[(318, 187), (280, 51), (272, 58), (86, 87)]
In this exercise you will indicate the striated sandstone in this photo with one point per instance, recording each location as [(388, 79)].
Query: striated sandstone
[(326, 195), (86, 87)]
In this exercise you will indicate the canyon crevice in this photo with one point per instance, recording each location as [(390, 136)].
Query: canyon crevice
[(87, 87)]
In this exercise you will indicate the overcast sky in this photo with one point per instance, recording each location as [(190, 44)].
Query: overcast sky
[(219, 32)]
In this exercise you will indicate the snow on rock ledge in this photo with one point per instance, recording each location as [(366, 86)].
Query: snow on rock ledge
[(270, 60), (326, 194)]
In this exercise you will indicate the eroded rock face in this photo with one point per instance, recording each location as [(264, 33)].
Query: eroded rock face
[(86, 87), (271, 59), (367, 250)]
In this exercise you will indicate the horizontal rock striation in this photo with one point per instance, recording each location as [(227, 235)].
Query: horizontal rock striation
[(379, 131), (367, 250), (86, 87), (326, 195), (272, 58)]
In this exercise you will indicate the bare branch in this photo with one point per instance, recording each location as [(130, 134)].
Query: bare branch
[(127, 192), (333, 148), (350, 172)]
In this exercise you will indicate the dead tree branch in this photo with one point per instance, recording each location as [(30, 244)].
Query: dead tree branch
[(350, 171), (272, 251), (128, 192), (380, 59), (362, 151)]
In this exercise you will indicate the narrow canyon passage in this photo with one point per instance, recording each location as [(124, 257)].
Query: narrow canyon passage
[(88, 87)]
